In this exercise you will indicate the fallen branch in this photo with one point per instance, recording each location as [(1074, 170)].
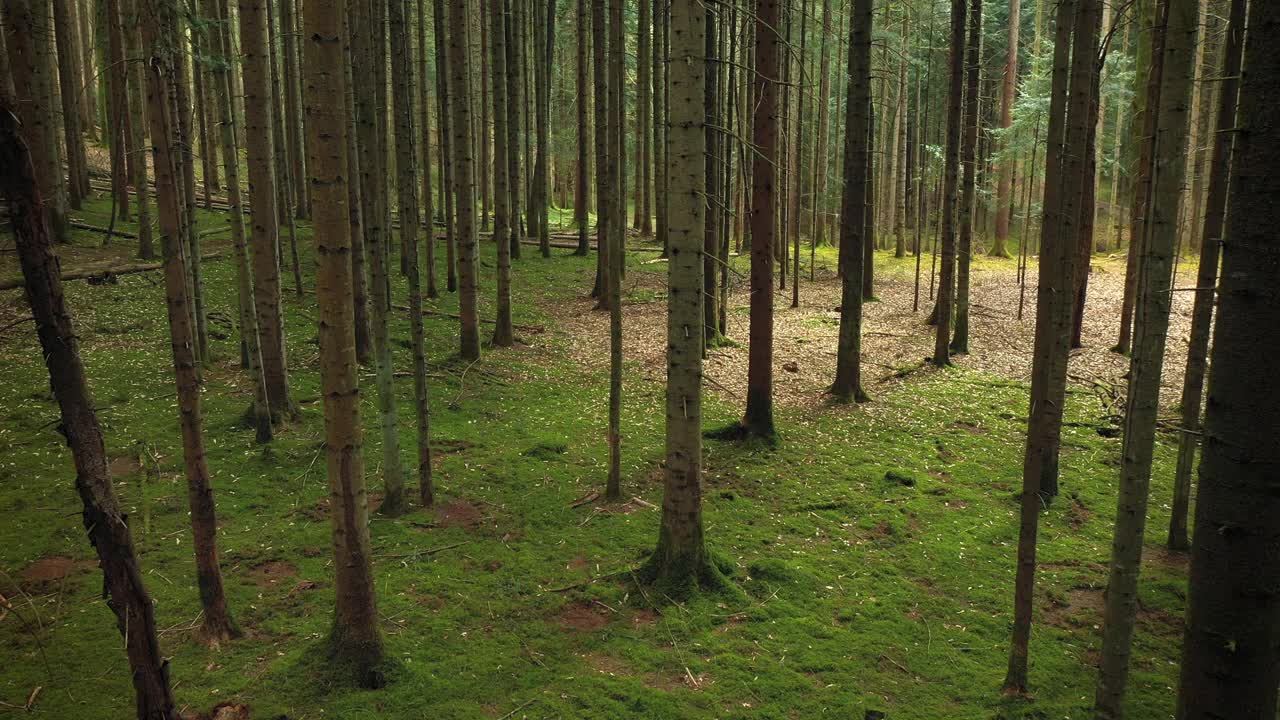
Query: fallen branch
[(421, 553)]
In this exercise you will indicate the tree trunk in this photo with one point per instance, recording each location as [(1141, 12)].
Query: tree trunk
[(403, 97), (644, 49), (950, 190), (444, 108), (354, 640), (616, 130), (503, 333), (711, 167), (103, 520), (659, 49), (1207, 276), (582, 191), (1229, 657), (292, 91), (855, 204), (160, 40), (31, 60), (1008, 90), (134, 88), (1149, 60), (355, 200), (968, 200), (1151, 325), (680, 561), (262, 198), (428, 199), (1053, 327), (464, 185), (540, 189), (64, 28), (220, 78), (599, 76), (758, 419)]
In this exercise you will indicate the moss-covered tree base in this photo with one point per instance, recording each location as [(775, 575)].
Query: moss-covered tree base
[(356, 661)]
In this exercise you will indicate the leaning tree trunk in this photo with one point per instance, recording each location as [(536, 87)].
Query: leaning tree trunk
[(1052, 337), (680, 561), (159, 37), (968, 200), (105, 523), (260, 155), (1207, 276), (1230, 657), (855, 204), (1151, 325), (355, 640)]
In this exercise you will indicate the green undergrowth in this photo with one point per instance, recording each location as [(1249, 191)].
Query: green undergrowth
[(870, 548)]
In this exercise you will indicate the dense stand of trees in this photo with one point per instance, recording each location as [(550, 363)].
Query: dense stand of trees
[(1071, 127)]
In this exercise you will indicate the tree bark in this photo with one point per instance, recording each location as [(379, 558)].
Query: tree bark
[(464, 186), (968, 199), (1230, 659), (103, 519), (1207, 275), (855, 204), (1008, 90), (159, 36), (1151, 325), (617, 245), (680, 562), (1053, 330), (355, 640), (950, 190), (262, 198), (64, 28), (503, 332)]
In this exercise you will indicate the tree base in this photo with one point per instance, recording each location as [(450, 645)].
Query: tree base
[(360, 662), (214, 632), (680, 576), (845, 397)]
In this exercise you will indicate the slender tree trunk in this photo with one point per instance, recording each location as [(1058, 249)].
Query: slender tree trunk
[(355, 640), (428, 198), (159, 36), (403, 97), (1149, 60), (617, 245), (503, 333), (660, 47), (644, 49), (89, 98), (31, 60), (542, 119), (968, 200), (103, 519), (444, 110), (464, 186), (758, 419), (292, 91), (134, 89), (262, 198), (1229, 656), (711, 167), (517, 128), (599, 75), (950, 190), (680, 562), (64, 28), (367, 38), (260, 410), (1052, 337), (355, 200), (1207, 275), (855, 204), (1151, 328), (286, 181), (582, 191), (486, 148), (1008, 90)]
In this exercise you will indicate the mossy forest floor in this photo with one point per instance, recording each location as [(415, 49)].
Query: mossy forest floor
[(873, 545)]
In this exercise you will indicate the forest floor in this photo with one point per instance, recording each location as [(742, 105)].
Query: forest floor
[(873, 544)]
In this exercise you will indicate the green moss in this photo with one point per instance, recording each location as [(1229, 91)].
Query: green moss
[(832, 589)]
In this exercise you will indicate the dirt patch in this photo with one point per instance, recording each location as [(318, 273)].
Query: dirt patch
[(459, 514), (580, 617), (50, 572), (1159, 555), (1082, 607), (893, 338), (1078, 514), (123, 466), (274, 573), (971, 428), (644, 617), (579, 563), (610, 665)]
